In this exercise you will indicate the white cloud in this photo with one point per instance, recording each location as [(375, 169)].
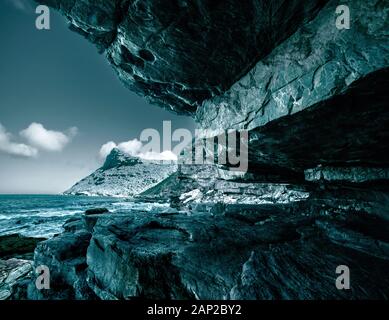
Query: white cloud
[(106, 149), (163, 156), (16, 149), (134, 148), (49, 140)]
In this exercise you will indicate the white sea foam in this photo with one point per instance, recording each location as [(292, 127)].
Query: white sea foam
[(44, 216)]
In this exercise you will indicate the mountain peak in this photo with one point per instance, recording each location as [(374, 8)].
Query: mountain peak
[(122, 175), (118, 158)]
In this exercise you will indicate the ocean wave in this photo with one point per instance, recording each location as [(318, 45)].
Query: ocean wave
[(46, 218)]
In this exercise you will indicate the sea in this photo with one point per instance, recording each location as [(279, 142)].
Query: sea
[(42, 216)]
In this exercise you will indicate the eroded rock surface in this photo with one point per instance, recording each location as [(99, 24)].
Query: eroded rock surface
[(349, 129), (176, 52), (15, 275), (315, 63), (17, 246), (267, 251)]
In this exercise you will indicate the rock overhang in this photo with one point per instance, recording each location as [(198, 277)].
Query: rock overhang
[(178, 53), (252, 66)]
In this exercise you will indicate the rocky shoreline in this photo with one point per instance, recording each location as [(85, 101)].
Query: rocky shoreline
[(16, 265), (231, 251)]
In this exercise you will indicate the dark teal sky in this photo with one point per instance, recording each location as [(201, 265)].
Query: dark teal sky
[(56, 78)]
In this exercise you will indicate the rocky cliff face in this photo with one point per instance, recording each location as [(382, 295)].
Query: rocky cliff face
[(123, 175), (175, 52), (314, 64), (314, 100)]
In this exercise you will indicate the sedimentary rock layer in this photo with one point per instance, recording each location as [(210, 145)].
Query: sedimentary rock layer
[(348, 129), (178, 53), (315, 63)]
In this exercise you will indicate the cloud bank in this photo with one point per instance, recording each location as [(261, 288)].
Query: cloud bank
[(38, 138), (134, 148), (12, 148)]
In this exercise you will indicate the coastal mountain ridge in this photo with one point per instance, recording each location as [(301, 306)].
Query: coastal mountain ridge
[(123, 175)]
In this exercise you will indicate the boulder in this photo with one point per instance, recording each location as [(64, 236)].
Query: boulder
[(96, 211), (17, 246), (65, 256)]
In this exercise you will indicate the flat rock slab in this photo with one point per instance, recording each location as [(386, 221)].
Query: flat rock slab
[(17, 246), (12, 272), (268, 251)]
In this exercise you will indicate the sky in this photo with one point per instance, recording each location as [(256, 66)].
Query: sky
[(60, 103)]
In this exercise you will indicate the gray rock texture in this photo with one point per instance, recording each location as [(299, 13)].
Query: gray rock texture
[(17, 246), (15, 275), (348, 129), (351, 174), (267, 251), (175, 52), (203, 186), (65, 257), (312, 65)]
